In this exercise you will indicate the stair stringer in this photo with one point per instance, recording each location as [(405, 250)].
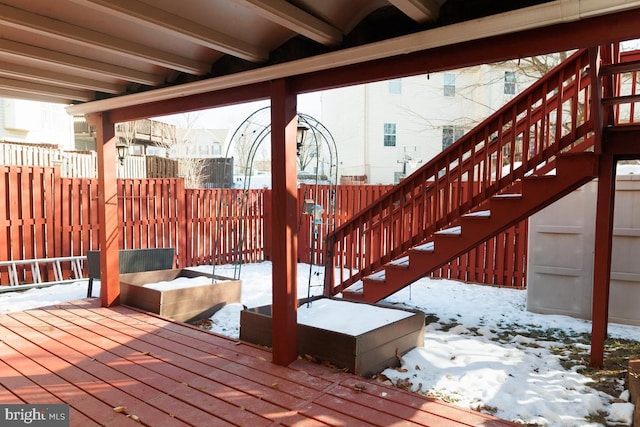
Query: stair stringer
[(470, 230)]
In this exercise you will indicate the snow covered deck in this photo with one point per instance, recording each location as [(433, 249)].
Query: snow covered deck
[(166, 373)]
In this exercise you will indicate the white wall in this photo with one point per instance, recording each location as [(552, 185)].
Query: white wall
[(36, 122), (561, 248), (356, 116), (343, 113)]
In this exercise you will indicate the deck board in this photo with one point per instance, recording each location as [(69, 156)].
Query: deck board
[(182, 368), (167, 377), (171, 374)]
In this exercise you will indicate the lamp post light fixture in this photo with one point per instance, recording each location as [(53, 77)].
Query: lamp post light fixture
[(121, 148), (300, 134)]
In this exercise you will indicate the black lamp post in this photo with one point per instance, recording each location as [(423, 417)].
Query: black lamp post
[(121, 148), (301, 132)]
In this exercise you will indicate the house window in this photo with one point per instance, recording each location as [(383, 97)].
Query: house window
[(389, 134), (449, 84), (395, 86), (509, 83), (451, 134)]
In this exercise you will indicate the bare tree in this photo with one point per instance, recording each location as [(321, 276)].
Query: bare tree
[(190, 166), (126, 132), (527, 71), (192, 170), (243, 152), (309, 152)]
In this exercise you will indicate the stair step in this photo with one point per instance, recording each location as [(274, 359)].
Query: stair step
[(450, 232), (378, 276), (357, 287), (507, 196), (425, 247), (478, 215), (355, 292), (400, 262), (356, 297)]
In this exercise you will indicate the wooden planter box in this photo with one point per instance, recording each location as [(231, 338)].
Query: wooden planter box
[(182, 304), (365, 354)]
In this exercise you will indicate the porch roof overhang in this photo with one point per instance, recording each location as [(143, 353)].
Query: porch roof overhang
[(107, 55)]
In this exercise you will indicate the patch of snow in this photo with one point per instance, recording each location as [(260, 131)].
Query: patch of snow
[(482, 214), (425, 247), (179, 283), (378, 275), (349, 318), (255, 182), (403, 262), (41, 297), (621, 412), (628, 170), (453, 230)]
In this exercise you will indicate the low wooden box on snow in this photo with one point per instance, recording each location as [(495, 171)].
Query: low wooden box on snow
[(364, 354), (184, 304)]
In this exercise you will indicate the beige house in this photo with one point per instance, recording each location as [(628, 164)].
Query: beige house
[(386, 130)]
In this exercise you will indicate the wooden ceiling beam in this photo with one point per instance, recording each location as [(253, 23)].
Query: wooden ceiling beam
[(602, 29), (52, 28), (44, 90), (420, 11), (37, 75), (44, 58), (16, 94), (147, 15), (297, 20), (516, 34)]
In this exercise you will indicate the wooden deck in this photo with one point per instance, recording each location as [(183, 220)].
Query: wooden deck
[(170, 374)]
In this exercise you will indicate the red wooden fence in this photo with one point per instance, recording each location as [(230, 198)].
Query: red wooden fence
[(26, 209), (224, 226), (45, 216), (346, 200)]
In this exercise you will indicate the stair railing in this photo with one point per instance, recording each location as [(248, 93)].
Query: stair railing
[(621, 78), (523, 136)]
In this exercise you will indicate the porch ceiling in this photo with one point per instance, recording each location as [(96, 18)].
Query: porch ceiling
[(108, 54)]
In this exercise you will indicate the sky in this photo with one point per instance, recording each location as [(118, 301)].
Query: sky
[(478, 354)]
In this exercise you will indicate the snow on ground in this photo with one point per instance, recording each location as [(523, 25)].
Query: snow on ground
[(252, 181), (482, 351)]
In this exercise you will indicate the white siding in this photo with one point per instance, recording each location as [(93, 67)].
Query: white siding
[(561, 247), (356, 116), (36, 122)]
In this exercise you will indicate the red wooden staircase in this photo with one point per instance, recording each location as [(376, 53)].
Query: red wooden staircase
[(530, 153), (469, 230)]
